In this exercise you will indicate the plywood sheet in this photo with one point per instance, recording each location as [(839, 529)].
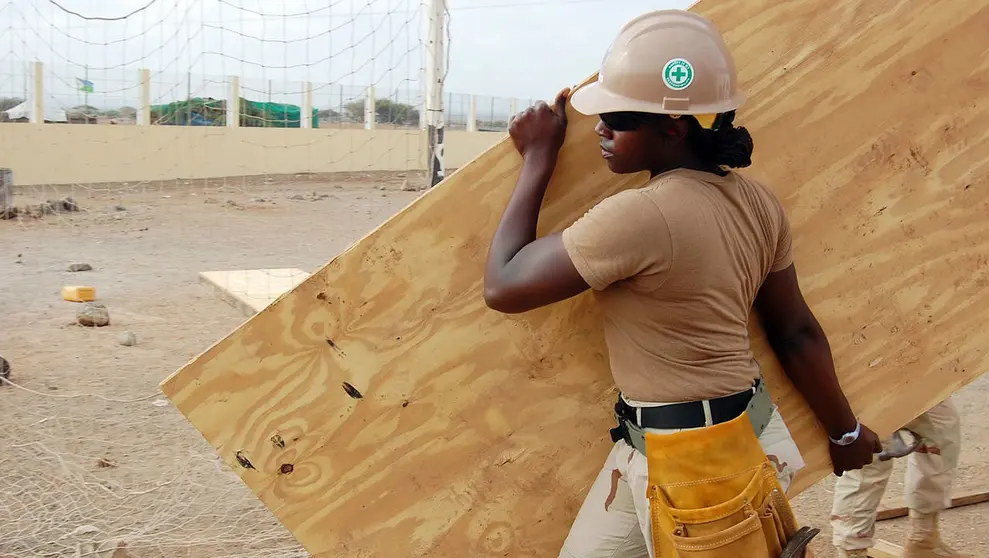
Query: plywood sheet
[(252, 290), (478, 434)]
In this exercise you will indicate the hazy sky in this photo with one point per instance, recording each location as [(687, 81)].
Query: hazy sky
[(502, 48)]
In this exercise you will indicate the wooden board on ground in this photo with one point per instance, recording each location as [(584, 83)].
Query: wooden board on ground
[(252, 290), (380, 409), (885, 549), (969, 498)]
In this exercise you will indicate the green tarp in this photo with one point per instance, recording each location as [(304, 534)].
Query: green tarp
[(213, 112)]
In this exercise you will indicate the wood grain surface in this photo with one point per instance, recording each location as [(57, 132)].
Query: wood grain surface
[(478, 434)]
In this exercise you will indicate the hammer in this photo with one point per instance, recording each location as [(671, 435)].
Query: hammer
[(899, 447)]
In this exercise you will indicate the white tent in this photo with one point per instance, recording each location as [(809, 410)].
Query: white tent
[(26, 109)]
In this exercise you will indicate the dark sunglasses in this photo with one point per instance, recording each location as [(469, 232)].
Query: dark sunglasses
[(623, 121), (628, 121)]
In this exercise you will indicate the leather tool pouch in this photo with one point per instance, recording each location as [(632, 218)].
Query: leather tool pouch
[(714, 494)]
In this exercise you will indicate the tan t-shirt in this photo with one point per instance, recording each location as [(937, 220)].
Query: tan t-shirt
[(675, 266)]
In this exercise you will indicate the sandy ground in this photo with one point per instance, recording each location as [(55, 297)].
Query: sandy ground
[(90, 451)]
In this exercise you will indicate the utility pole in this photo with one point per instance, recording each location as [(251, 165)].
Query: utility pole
[(435, 74)]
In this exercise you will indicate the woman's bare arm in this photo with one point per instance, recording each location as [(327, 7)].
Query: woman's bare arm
[(805, 355), (524, 272)]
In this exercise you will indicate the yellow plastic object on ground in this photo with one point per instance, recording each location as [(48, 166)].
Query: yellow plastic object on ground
[(79, 293), (713, 493)]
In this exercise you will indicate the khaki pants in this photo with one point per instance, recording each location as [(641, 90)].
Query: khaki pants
[(614, 520), (930, 472)]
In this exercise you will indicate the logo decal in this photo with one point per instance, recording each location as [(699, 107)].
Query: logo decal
[(678, 74)]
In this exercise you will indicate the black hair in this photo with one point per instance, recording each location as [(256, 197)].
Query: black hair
[(725, 146)]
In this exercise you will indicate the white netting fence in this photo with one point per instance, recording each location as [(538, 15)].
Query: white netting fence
[(140, 174)]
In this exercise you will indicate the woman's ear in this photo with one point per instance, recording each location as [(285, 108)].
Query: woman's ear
[(679, 128), (672, 131)]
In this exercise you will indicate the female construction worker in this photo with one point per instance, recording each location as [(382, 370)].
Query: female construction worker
[(676, 267)]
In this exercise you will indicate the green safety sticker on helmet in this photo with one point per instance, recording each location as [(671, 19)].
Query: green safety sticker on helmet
[(678, 74)]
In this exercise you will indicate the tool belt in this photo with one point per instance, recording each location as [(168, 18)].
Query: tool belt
[(632, 421), (713, 493)]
